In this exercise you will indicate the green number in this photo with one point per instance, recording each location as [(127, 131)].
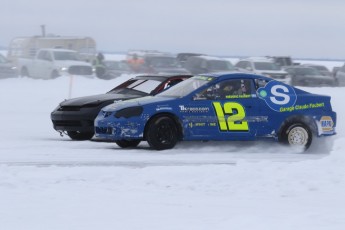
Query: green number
[(235, 115)]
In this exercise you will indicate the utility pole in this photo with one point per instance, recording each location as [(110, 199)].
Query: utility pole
[(43, 29)]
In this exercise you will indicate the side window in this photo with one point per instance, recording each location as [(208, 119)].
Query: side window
[(237, 88), (260, 83), (229, 89), (41, 55), (47, 56), (248, 66), (241, 64)]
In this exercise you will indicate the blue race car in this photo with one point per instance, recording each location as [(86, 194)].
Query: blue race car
[(222, 107)]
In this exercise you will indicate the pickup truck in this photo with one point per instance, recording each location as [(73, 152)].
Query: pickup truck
[(52, 63)]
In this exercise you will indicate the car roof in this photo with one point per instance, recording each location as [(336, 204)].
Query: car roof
[(299, 67), (161, 77), (207, 57), (258, 59), (235, 75)]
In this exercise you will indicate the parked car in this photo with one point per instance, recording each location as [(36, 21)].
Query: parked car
[(335, 70), (75, 116), (282, 61), (115, 69), (340, 76), (320, 68), (154, 62), (7, 68), (308, 76), (162, 63), (182, 57), (208, 64), (263, 66), (198, 110)]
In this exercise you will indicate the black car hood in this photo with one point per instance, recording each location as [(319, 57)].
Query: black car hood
[(95, 100)]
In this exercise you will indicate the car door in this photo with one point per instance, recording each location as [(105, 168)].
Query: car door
[(43, 64), (215, 115)]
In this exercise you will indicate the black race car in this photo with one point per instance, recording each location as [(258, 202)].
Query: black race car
[(75, 117)]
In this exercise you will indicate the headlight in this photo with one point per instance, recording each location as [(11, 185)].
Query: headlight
[(63, 69), (129, 112)]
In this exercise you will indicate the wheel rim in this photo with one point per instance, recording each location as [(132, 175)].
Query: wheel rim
[(298, 136), (165, 133)]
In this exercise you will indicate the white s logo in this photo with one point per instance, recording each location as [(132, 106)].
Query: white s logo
[(286, 98)]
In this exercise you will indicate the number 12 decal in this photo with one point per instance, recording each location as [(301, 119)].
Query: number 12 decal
[(235, 114)]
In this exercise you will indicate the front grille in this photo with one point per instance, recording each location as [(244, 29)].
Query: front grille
[(69, 108), (80, 70), (103, 130), (73, 123)]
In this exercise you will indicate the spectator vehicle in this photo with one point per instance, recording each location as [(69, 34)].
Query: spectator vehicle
[(308, 76), (182, 57), (162, 63), (115, 69), (75, 117), (340, 76), (52, 63), (7, 68), (207, 107), (208, 64), (335, 70), (282, 61), (320, 68), (263, 66), (154, 62)]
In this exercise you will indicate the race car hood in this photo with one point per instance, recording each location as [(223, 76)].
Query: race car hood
[(136, 102), (96, 100)]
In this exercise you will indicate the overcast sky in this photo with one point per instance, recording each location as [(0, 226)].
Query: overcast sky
[(299, 28)]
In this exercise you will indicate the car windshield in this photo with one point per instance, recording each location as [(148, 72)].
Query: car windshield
[(266, 66), (319, 67), (137, 87), (65, 55), (2, 59), (217, 65), (186, 87), (306, 71), (162, 62)]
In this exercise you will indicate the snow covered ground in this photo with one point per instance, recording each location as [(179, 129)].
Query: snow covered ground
[(51, 182)]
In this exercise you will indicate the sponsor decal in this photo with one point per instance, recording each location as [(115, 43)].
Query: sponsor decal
[(238, 96), (277, 95), (163, 107), (326, 123), (187, 109), (301, 107)]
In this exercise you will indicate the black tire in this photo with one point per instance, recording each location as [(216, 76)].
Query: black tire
[(162, 133), (297, 135), (80, 136), (54, 74), (128, 143), (24, 72)]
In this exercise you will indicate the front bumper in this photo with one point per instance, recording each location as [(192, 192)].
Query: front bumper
[(82, 120), (118, 129)]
